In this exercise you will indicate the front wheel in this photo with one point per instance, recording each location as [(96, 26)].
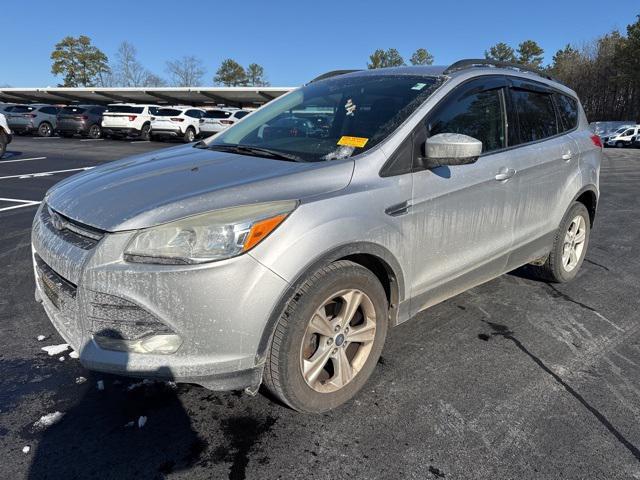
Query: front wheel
[(619, 144), (569, 247), (328, 339)]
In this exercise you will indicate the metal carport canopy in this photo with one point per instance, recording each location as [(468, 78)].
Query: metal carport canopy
[(197, 96)]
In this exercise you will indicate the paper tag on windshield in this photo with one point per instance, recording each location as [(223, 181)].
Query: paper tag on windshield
[(358, 142), (418, 86)]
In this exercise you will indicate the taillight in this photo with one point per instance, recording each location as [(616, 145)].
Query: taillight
[(226, 122), (82, 117), (29, 115), (596, 141), (177, 119), (132, 117)]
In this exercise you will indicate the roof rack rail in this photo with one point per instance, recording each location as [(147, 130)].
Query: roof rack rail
[(484, 62), (332, 73)]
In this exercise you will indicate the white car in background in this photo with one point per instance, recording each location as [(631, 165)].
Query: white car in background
[(216, 120), (177, 122), (5, 135), (128, 120), (623, 137)]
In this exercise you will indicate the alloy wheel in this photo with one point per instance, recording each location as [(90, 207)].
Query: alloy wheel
[(573, 245), (338, 340)]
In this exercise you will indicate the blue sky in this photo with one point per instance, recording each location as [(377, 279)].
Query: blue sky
[(293, 40)]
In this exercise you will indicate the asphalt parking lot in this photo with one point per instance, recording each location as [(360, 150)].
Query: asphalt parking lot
[(514, 379)]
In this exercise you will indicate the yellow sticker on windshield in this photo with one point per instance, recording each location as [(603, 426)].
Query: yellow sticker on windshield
[(358, 142)]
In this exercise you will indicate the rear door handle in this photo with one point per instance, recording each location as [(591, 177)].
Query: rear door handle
[(567, 156), (505, 174)]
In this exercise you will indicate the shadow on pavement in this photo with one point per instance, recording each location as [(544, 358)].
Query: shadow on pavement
[(128, 429)]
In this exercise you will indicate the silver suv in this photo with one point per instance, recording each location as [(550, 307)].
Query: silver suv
[(279, 255), (40, 119)]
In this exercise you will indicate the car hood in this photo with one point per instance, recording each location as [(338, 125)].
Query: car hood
[(158, 187)]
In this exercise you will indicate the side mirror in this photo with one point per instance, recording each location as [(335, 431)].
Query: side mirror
[(451, 149)]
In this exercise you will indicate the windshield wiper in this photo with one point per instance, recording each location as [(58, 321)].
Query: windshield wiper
[(251, 150)]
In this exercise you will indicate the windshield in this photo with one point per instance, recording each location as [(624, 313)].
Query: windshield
[(331, 119)]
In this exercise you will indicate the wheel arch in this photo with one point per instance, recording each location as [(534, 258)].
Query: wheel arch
[(588, 196), (376, 258)]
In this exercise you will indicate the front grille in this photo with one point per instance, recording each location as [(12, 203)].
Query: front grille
[(61, 292), (115, 317), (69, 230)]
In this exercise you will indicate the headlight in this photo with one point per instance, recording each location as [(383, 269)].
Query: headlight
[(207, 237)]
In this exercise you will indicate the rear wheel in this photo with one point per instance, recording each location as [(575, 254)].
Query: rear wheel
[(95, 131), (3, 143), (189, 135), (329, 338), (569, 248), (145, 132), (45, 129)]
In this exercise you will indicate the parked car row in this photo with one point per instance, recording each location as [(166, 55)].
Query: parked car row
[(622, 136), (121, 120)]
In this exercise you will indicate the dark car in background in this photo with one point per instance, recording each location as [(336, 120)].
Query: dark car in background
[(85, 120)]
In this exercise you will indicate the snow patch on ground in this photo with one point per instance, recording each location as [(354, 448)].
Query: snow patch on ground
[(56, 349), (61, 359), (48, 420), (74, 354), (141, 421), (80, 380), (26, 449), (100, 384), (41, 338)]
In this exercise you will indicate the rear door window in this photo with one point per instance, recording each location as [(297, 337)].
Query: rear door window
[(536, 115)]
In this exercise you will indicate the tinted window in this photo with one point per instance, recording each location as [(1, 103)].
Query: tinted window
[(73, 110), (23, 109), (478, 115), (241, 114), (49, 110), (631, 131), (217, 114), (194, 113), (568, 111), (153, 110), (124, 109), (98, 110), (168, 112), (536, 115)]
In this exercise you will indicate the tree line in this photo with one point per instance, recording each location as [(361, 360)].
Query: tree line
[(82, 64), (604, 72)]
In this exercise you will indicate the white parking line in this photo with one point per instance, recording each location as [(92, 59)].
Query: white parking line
[(22, 160), (25, 203), (141, 141), (46, 138), (44, 174), (92, 140)]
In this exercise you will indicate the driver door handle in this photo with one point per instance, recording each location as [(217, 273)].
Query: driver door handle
[(505, 174)]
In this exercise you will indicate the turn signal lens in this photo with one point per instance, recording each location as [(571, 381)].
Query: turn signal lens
[(260, 230)]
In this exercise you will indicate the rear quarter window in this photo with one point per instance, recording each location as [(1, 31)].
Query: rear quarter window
[(536, 115), (567, 110)]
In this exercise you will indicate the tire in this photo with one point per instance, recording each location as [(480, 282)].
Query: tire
[(95, 131), (145, 132), (555, 269), (295, 342), (619, 144), (189, 135), (3, 144), (45, 129)]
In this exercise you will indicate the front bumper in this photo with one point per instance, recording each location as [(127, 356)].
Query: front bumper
[(219, 310)]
